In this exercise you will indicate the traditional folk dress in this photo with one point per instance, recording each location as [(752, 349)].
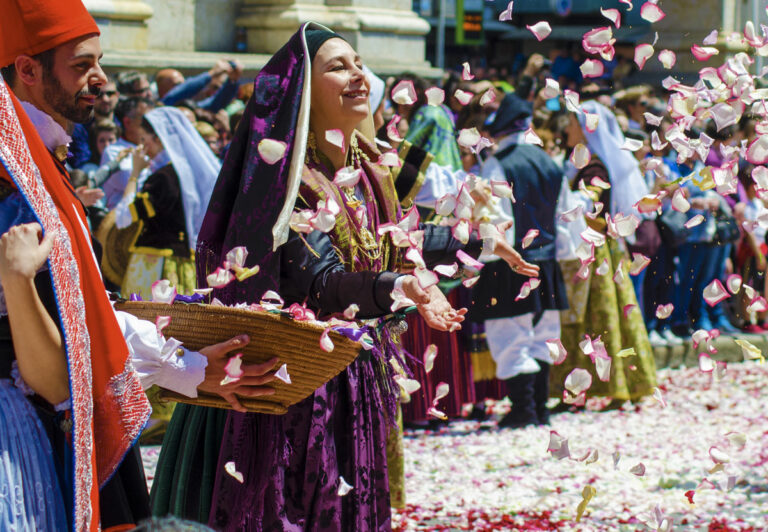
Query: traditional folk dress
[(597, 304), (293, 465), (517, 327), (170, 207)]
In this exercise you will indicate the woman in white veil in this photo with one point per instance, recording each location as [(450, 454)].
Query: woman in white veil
[(169, 205), (602, 300)]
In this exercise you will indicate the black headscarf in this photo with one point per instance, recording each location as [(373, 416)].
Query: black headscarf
[(316, 38), (511, 116)]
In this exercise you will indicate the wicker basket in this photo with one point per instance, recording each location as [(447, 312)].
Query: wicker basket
[(294, 343)]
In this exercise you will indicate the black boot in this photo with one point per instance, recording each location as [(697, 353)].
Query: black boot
[(523, 413), (541, 393)]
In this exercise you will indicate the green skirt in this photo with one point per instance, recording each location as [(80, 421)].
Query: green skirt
[(187, 466), (596, 309)]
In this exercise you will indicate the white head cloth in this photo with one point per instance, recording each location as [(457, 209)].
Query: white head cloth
[(195, 164), (627, 183), (377, 88)]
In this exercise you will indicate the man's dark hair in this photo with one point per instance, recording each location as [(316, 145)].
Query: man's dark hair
[(127, 106), (126, 80), (44, 58)]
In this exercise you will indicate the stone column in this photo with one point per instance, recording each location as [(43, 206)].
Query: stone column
[(122, 23), (389, 39)]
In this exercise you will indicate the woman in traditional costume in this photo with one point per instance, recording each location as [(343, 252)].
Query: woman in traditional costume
[(170, 207), (297, 468), (602, 303)]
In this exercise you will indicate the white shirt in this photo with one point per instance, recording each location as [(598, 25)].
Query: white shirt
[(154, 358), (115, 185)]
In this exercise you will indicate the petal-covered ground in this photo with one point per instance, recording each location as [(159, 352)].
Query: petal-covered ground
[(462, 478)]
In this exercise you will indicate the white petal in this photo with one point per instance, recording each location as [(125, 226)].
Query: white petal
[(556, 350), (592, 68), (344, 488), (463, 97), (651, 12), (283, 375), (667, 58), (540, 30), (326, 344), (271, 150), (714, 293), (435, 96), (579, 380), (469, 137), (530, 137), (430, 354), (404, 93), (232, 471), (580, 156), (163, 292)]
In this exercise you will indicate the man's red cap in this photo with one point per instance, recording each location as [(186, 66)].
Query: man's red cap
[(34, 26)]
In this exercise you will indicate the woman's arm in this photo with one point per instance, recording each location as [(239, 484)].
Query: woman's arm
[(37, 343)]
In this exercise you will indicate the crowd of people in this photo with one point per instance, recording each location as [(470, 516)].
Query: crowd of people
[(558, 212)]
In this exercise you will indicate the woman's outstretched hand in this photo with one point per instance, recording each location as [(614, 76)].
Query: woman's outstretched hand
[(509, 255), (433, 306)]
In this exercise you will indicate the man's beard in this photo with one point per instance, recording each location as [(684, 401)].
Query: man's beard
[(64, 104)]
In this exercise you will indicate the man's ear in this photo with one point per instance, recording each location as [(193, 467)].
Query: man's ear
[(29, 71)]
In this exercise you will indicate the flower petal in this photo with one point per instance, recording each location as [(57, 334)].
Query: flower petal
[(703, 53), (556, 350), (530, 137), (344, 487), (580, 156), (643, 52), (714, 293), (540, 30), (667, 58), (219, 278), (435, 96), (651, 12), (506, 15), (463, 97), (351, 311), (613, 15), (404, 93), (233, 369), (529, 237), (446, 270), (441, 391), (679, 201), (592, 68), (466, 75), (232, 471), (161, 322), (469, 137), (326, 344), (579, 380), (664, 311), (163, 292), (271, 150), (638, 470), (488, 96), (236, 256), (468, 260), (283, 375), (336, 137), (430, 354), (694, 221)]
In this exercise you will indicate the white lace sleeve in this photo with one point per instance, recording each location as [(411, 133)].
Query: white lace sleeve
[(159, 361)]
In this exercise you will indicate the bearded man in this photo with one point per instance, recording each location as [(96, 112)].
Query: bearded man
[(50, 53)]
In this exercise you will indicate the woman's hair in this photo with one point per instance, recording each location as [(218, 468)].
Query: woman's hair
[(104, 125), (146, 125)]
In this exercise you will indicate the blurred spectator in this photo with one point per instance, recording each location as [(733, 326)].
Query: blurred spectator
[(130, 112), (213, 90), (132, 83), (166, 79), (210, 136), (634, 101), (106, 101)]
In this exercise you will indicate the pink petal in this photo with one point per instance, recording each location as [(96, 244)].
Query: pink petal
[(558, 446), (425, 277), (551, 89), (580, 156), (639, 263), (643, 52), (404, 93), (471, 281), (501, 189), (441, 391), (460, 231), (651, 118), (323, 220), (570, 399), (430, 354), (592, 68), (658, 397), (463, 97), (679, 201), (466, 75), (220, 277), (469, 137), (271, 150), (445, 205), (556, 350), (300, 221), (628, 2), (233, 369), (232, 471), (694, 221), (525, 291), (344, 488), (667, 58), (591, 121), (347, 176), (507, 13), (336, 137), (705, 363), (758, 304), (651, 12), (529, 237), (757, 152), (434, 412), (414, 255), (163, 292), (488, 96), (530, 137), (638, 470), (664, 311), (392, 133), (161, 322), (703, 53), (270, 296), (733, 282), (236, 256), (711, 38), (435, 96), (468, 260), (718, 456), (351, 311), (604, 267), (571, 100), (578, 381), (446, 270), (627, 310), (603, 368), (390, 158), (282, 374), (540, 30), (613, 15), (326, 344), (714, 293)]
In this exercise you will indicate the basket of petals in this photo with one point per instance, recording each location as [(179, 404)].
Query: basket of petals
[(310, 352)]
